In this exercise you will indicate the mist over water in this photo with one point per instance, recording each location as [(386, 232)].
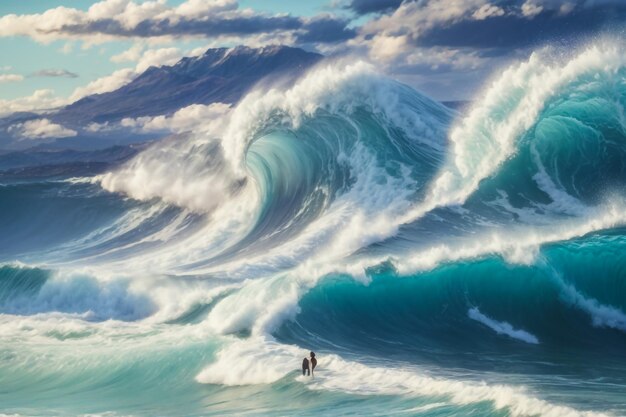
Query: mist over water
[(438, 263)]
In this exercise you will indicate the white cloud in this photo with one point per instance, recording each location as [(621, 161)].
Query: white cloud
[(437, 57), (392, 36), (99, 127), (41, 129), (105, 84), (384, 47), (67, 48), (198, 51), (530, 9), (487, 11), (197, 117), (40, 100), (122, 19), (11, 78), (207, 119), (158, 57), (131, 54), (416, 17), (146, 58), (393, 39), (566, 8), (199, 8)]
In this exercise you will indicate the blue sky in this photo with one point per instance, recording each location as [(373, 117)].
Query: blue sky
[(446, 48)]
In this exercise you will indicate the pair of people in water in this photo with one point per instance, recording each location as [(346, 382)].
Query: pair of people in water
[(309, 364)]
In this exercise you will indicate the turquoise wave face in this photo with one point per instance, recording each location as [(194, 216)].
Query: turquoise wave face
[(438, 263), (574, 150), (562, 301)]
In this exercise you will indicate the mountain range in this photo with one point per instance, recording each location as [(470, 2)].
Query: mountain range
[(220, 75)]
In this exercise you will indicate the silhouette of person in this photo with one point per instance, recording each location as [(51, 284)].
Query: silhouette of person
[(313, 363), (305, 367)]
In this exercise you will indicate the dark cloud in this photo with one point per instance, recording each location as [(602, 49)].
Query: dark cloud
[(518, 31), (209, 27), (326, 30), (373, 6), (54, 73), (320, 29)]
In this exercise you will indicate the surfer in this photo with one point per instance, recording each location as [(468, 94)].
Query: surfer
[(305, 367), (313, 363)]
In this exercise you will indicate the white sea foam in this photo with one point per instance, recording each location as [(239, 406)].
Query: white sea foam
[(502, 327), (422, 408), (90, 294), (561, 200), (262, 361), (516, 246), (601, 315), (185, 172)]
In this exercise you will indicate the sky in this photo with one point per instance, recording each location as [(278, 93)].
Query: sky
[(57, 51)]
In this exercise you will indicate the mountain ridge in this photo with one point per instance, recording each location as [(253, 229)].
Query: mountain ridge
[(219, 75)]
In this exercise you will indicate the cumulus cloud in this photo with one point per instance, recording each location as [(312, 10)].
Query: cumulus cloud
[(531, 9), (99, 127), (412, 19), (492, 27), (197, 117), (395, 38), (114, 19), (105, 84), (158, 57), (39, 101), (131, 54), (56, 73), (486, 11), (11, 78), (438, 58), (41, 129)]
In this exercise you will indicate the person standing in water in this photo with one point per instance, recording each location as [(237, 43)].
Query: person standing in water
[(313, 363), (305, 367)]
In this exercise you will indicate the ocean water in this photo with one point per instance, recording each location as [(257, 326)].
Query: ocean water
[(439, 263)]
